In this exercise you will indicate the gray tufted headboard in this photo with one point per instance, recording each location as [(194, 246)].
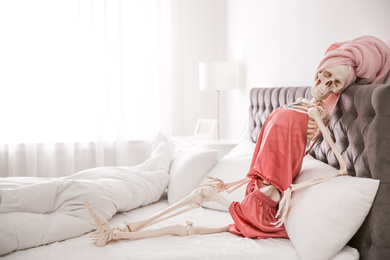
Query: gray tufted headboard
[(360, 125)]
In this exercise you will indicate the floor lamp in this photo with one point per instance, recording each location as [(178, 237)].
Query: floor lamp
[(217, 76)]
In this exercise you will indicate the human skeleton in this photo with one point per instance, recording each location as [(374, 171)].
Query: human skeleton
[(331, 80)]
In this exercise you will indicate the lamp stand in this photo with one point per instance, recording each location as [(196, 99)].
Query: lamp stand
[(219, 120)]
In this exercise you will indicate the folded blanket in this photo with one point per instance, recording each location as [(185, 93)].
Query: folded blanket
[(53, 210), (367, 57)]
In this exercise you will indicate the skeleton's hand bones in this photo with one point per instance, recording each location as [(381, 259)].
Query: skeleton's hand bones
[(217, 184)]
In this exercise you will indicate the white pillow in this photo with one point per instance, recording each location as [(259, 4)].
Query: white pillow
[(324, 217), (188, 168), (161, 156), (232, 167)]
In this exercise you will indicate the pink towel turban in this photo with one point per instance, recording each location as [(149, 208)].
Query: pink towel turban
[(367, 57)]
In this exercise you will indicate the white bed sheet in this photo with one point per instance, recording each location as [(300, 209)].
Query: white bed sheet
[(215, 246)]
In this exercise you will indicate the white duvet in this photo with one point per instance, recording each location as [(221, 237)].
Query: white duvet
[(35, 213)]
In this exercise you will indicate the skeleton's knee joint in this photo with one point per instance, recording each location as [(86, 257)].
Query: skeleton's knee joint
[(202, 195)]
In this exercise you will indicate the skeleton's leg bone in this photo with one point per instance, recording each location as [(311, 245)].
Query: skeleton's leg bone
[(162, 218), (175, 230), (194, 230), (196, 198), (193, 198), (209, 194)]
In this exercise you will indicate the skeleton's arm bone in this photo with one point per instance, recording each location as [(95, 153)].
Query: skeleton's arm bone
[(232, 186), (315, 114)]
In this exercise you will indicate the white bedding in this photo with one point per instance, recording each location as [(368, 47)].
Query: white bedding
[(124, 190), (215, 246), (33, 214)]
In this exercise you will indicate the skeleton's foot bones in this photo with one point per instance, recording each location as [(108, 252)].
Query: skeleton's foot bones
[(103, 233)]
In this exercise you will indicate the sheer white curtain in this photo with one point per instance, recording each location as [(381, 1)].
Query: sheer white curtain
[(80, 81)]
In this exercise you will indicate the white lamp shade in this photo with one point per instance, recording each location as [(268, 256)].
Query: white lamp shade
[(218, 75)]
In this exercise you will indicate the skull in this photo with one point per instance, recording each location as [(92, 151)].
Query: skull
[(331, 80)]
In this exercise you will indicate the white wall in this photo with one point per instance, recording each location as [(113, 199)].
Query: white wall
[(200, 27), (281, 42)]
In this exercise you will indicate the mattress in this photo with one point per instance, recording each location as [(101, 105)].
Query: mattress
[(215, 246)]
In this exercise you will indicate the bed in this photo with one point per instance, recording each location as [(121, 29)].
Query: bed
[(350, 222)]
